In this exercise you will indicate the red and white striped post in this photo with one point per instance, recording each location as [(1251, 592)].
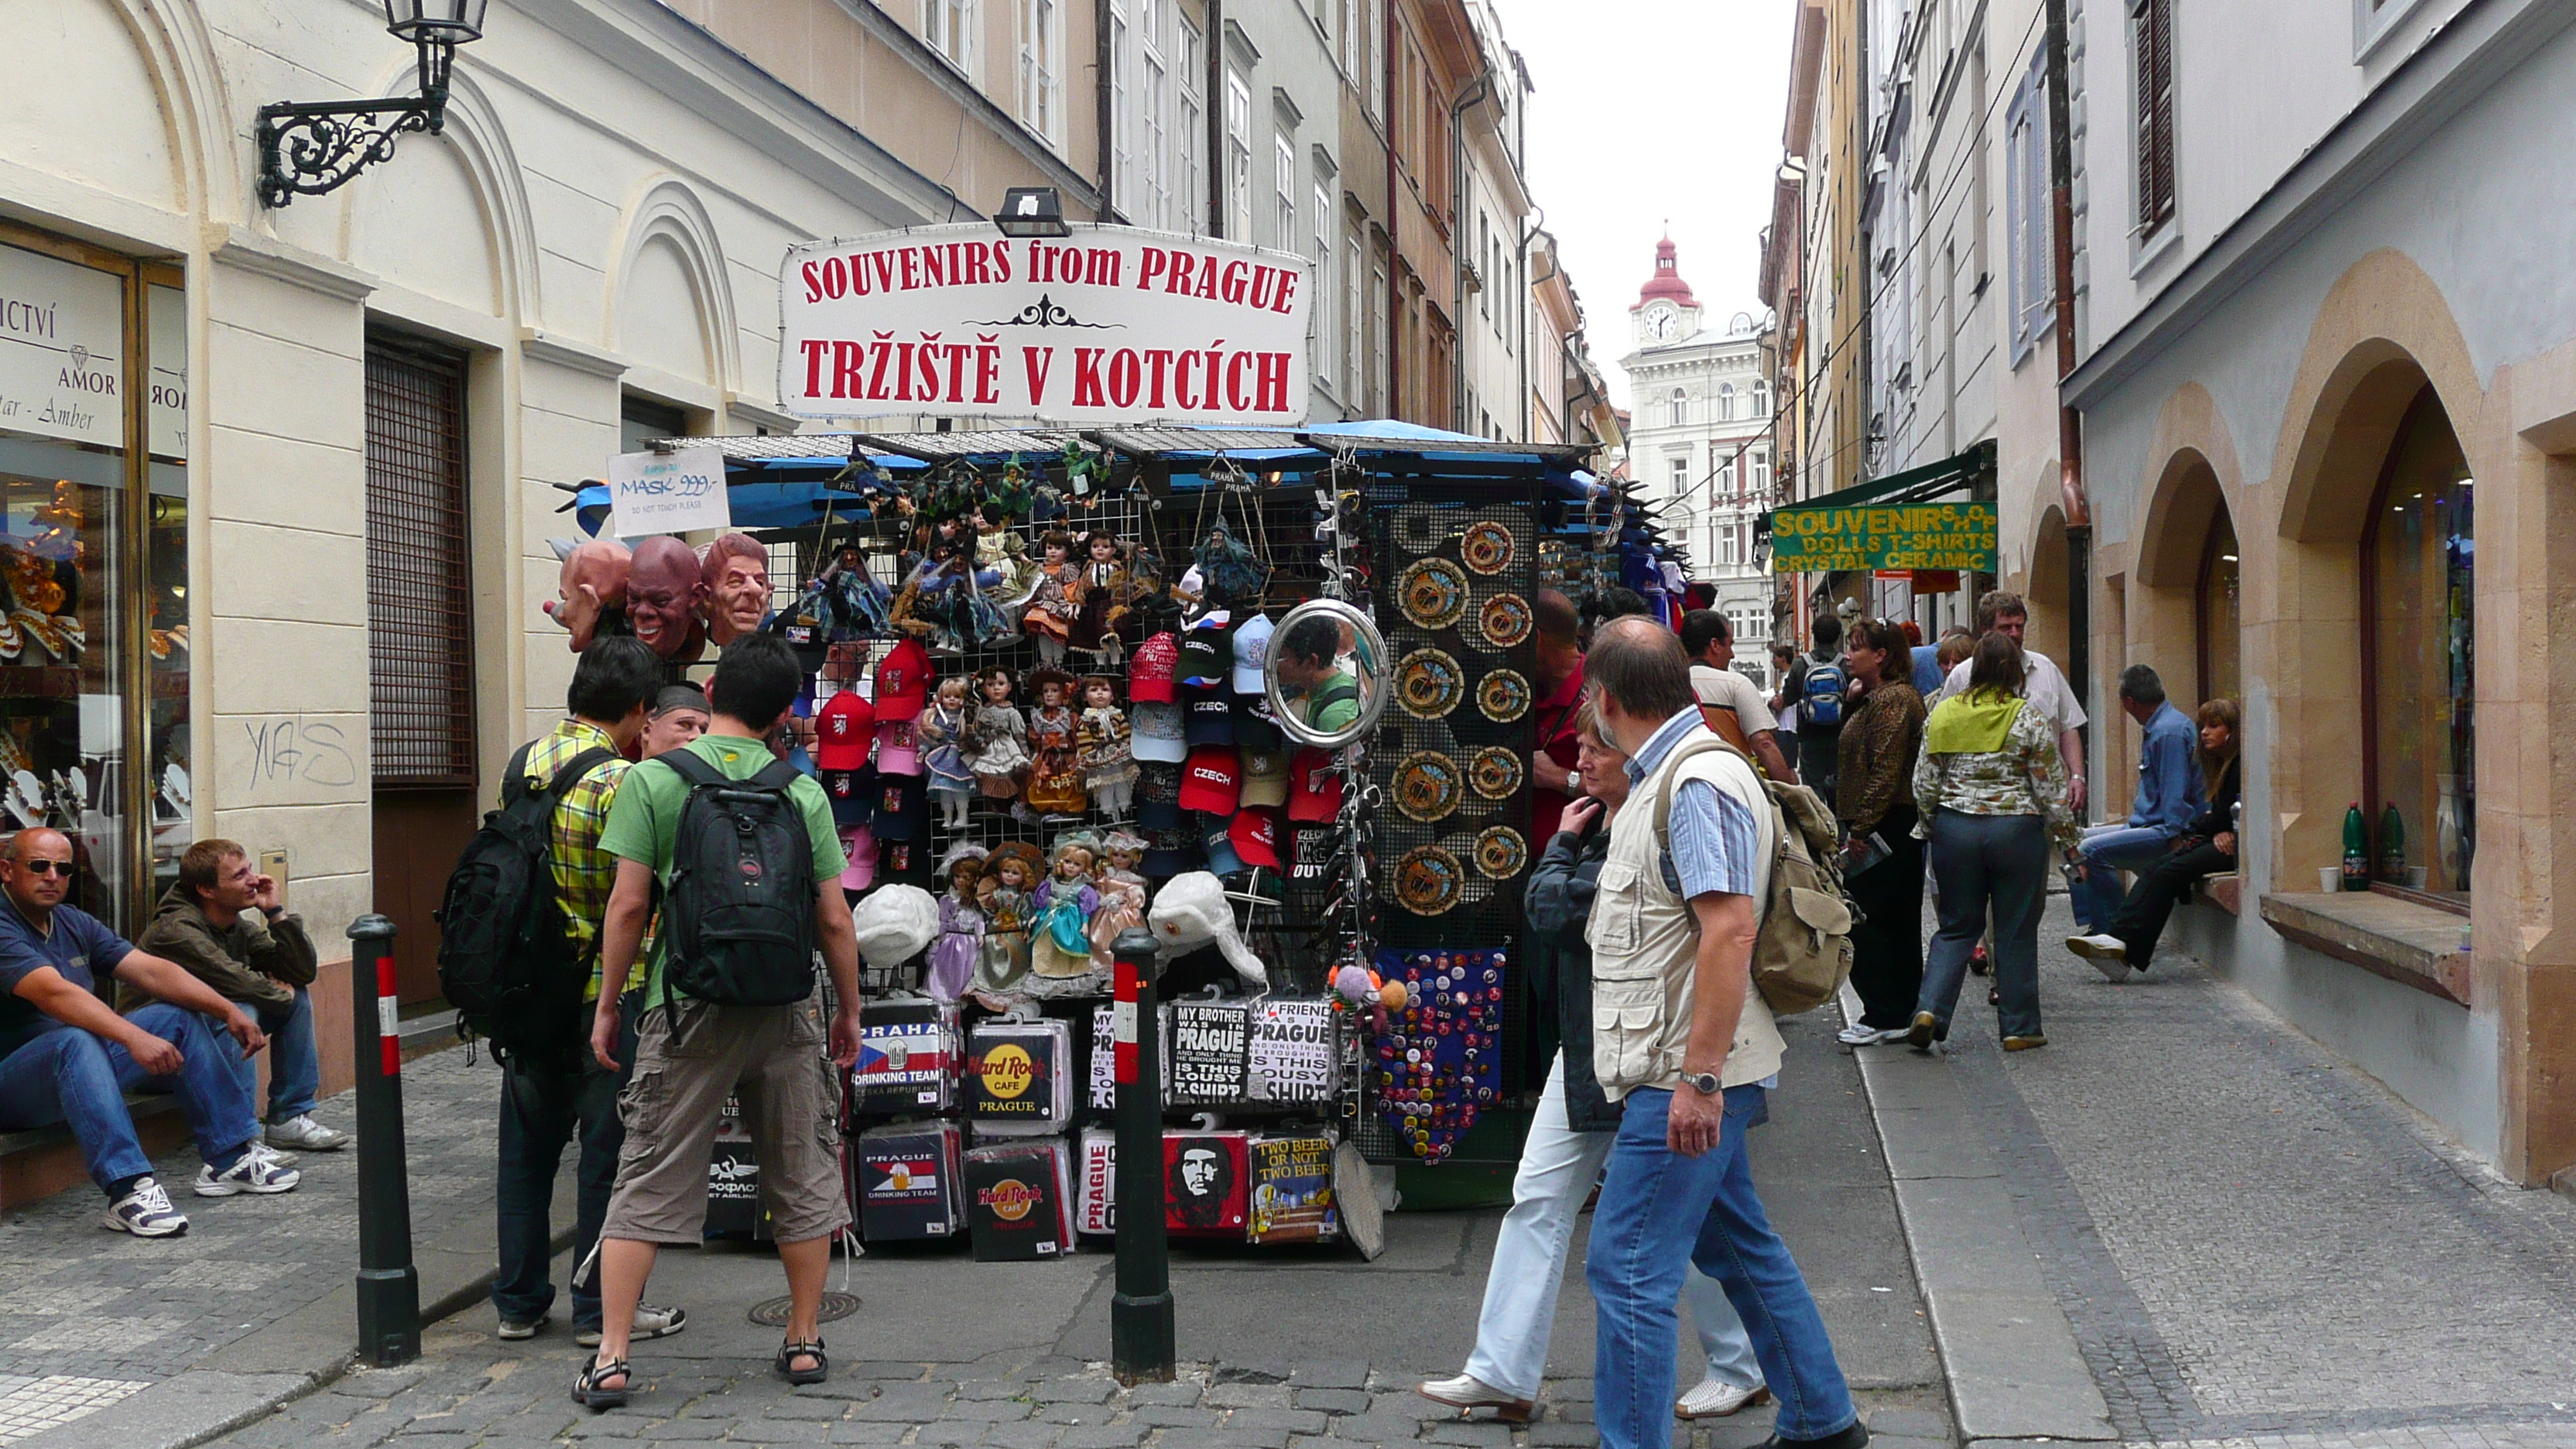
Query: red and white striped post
[(388, 1284)]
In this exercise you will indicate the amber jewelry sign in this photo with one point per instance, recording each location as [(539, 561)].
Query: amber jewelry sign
[(1828, 539)]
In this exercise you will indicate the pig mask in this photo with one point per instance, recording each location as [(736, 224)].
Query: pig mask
[(663, 593), (593, 582), (737, 587)]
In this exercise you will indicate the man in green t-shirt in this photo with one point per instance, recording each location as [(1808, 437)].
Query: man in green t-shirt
[(1309, 658), (772, 1056)]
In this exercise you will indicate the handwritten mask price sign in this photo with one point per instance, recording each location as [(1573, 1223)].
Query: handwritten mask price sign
[(675, 492)]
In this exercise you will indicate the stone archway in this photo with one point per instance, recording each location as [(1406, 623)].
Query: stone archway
[(2183, 620)]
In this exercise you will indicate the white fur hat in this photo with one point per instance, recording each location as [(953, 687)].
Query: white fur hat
[(1191, 911), (895, 924)]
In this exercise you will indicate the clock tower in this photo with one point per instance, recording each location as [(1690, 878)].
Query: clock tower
[(1665, 312)]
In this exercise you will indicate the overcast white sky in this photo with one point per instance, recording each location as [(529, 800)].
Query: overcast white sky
[(1648, 110)]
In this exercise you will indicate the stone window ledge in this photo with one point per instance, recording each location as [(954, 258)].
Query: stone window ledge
[(2227, 892), (2413, 945)]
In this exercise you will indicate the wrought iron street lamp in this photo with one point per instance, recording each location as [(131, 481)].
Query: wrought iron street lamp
[(309, 147)]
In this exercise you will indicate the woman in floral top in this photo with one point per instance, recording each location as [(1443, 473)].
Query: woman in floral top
[(1991, 791), (1883, 862)]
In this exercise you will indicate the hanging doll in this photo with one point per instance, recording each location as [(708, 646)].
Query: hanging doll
[(1104, 749), (1002, 963), (1051, 611), (1055, 781), (1122, 895), (1230, 570), (1103, 595), (996, 747), (960, 943), (1060, 920), (942, 734)]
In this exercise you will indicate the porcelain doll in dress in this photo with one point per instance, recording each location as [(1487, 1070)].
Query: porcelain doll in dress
[(1052, 608), (1060, 919), (942, 733), (1055, 781), (960, 943), (1002, 965), (1122, 895), (1105, 594), (1104, 748), (996, 746)]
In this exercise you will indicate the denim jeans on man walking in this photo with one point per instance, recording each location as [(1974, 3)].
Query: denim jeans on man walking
[(1558, 1168), (542, 1111), (2109, 850), (80, 1079), (1982, 861), (1661, 1212), (294, 1067)]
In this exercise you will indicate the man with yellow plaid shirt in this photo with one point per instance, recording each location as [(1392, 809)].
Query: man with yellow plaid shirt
[(549, 1097)]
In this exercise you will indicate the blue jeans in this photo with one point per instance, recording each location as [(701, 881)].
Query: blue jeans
[(1981, 862), (543, 1109), (1659, 1213), (294, 1070), (2109, 850), (78, 1078)]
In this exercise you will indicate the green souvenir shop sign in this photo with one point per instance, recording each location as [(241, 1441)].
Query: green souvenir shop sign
[(1831, 538)]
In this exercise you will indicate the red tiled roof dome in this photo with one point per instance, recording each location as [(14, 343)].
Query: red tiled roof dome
[(1667, 281)]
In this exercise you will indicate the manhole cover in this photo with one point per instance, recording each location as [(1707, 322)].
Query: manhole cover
[(836, 1306)]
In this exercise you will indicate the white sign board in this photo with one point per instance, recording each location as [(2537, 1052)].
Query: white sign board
[(62, 350), (673, 492), (1112, 324)]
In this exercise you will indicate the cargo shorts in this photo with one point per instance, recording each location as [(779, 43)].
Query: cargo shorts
[(687, 1061)]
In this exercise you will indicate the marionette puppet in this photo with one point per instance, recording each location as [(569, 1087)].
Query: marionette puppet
[(996, 747), (1106, 751), (942, 734), (1055, 780)]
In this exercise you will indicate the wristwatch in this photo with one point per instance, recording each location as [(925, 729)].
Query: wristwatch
[(1705, 1083)]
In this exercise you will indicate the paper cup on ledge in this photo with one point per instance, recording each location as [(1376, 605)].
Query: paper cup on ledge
[(2329, 878), (2417, 876)]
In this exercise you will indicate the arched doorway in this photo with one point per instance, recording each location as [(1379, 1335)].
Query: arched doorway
[(2418, 671)]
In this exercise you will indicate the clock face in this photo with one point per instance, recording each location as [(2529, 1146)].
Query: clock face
[(1659, 322)]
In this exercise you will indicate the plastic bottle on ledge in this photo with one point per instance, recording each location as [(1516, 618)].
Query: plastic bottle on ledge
[(2356, 850), (2392, 845)]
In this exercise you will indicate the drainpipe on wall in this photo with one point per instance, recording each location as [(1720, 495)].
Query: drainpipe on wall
[(2070, 423)]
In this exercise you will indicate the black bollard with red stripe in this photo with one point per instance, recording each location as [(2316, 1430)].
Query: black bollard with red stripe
[(388, 1284)]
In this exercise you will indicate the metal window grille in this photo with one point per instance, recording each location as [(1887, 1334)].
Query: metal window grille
[(419, 645)]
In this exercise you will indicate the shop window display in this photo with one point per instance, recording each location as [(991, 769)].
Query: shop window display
[(2419, 665)]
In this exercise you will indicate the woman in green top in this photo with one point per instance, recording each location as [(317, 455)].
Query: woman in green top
[(1991, 791)]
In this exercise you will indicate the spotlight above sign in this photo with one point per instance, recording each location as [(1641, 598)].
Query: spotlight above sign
[(1104, 324)]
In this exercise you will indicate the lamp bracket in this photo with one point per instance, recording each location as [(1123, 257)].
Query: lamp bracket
[(308, 148)]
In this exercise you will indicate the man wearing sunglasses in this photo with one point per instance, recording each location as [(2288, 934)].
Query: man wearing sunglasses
[(65, 1057)]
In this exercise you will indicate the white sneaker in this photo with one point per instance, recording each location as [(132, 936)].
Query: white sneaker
[(1467, 1391), (145, 1212), (1859, 1035), (2107, 953), (258, 1171), (1715, 1398), (305, 1133), (650, 1322)]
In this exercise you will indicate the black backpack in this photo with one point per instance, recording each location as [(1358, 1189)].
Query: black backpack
[(738, 912), (506, 961)]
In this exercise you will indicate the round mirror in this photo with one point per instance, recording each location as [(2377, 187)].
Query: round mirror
[(1326, 673)]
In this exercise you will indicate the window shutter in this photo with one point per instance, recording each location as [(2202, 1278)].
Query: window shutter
[(2154, 27)]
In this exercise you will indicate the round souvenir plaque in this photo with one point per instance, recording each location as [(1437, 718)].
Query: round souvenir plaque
[(1429, 684), (1501, 852), (1505, 620), (1487, 546), (1495, 772), (1428, 880), (1504, 696), (1426, 786), (1433, 592)]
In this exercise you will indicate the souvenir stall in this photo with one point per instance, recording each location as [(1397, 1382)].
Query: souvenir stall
[(1267, 693)]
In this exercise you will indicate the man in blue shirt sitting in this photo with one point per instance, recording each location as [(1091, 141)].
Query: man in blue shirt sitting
[(2168, 795), (65, 1057)]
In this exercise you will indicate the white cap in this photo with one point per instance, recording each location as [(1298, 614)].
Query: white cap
[(1251, 645)]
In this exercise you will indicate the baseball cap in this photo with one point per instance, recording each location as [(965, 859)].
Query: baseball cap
[(1313, 853), (1312, 794), (1159, 734), (898, 747), (842, 731), (1254, 725), (1265, 775), (1212, 780), (1222, 859), (860, 844), (1168, 852), (903, 678), (903, 808), (850, 802), (1255, 835), (1158, 796), (1207, 654), (1207, 717), (908, 862), (1149, 674), (1251, 643)]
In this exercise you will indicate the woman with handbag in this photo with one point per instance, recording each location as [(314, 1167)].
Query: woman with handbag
[(1882, 861)]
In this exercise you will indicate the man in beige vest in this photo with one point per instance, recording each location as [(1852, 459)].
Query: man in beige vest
[(1682, 1039)]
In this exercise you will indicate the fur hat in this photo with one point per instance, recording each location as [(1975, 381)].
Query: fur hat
[(1191, 911), (895, 924)]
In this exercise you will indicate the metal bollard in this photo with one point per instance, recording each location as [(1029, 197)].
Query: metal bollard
[(1141, 1345), (388, 1284)]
